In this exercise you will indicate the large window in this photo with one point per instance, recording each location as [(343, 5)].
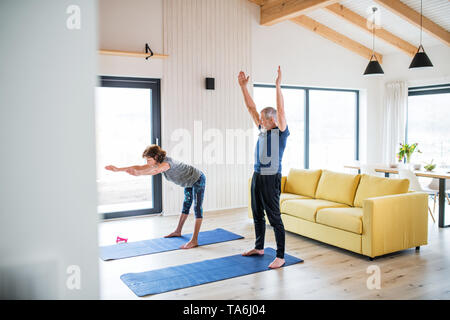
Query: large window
[(332, 128), (127, 120), (323, 125), (429, 123), (294, 101)]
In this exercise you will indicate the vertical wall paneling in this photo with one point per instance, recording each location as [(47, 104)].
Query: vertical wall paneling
[(206, 38)]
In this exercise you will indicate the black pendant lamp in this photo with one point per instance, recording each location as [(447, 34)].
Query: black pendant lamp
[(421, 59), (374, 67)]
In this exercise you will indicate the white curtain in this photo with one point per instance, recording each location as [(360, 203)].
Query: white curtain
[(394, 118)]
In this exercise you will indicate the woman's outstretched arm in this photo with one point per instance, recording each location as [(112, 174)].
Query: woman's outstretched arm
[(141, 170)]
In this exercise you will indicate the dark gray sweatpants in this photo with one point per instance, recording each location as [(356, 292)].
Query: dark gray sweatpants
[(265, 196)]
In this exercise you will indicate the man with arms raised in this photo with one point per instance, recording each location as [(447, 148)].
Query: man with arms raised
[(266, 180)]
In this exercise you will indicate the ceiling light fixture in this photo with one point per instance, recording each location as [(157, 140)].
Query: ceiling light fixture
[(421, 59), (374, 67)]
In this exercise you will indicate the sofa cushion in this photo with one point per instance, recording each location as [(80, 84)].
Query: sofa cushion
[(348, 219), (372, 186), (290, 196), (337, 187), (302, 182), (307, 208)]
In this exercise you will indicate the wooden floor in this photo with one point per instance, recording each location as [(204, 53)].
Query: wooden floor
[(328, 272)]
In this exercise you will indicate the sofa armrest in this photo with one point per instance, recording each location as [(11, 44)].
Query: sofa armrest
[(395, 222)]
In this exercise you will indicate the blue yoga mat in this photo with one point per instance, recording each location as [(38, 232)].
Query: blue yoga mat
[(194, 274), (139, 248)]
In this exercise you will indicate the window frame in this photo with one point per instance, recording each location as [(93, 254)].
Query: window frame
[(155, 86), (420, 91), (306, 114)]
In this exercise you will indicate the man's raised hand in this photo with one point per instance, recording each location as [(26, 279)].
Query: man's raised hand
[(278, 81), (243, 80)]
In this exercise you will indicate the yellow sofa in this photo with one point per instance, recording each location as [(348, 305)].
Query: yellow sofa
[(365, 214)]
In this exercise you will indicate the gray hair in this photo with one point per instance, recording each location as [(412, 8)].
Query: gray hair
[(269, 112)]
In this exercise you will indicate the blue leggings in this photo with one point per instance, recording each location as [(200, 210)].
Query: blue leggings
[(196, 192)]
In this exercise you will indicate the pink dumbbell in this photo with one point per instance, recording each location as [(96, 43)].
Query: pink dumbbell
[(119, 239)]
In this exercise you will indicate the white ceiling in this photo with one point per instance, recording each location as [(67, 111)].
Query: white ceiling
[(436, 10)]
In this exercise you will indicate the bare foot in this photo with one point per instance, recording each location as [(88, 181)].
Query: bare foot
[(277, 263), (254, 252), (173, 234), (189, 245)]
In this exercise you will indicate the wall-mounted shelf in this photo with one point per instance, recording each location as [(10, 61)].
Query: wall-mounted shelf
[(131, 54)]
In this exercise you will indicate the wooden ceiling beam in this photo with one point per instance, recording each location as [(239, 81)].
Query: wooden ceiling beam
[(413, 17), (258, 2), (289, 10), (361, 22), (336, 37), (280, 10)]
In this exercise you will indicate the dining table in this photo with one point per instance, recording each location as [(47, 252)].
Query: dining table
[(440, 173)]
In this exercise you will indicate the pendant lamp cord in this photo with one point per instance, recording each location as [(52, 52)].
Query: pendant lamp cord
[(374, 9), (373, 40), (421, 22)]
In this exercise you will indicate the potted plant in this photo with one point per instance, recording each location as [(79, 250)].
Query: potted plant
[(406, 151)]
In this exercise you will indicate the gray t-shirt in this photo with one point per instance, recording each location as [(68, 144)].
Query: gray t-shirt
[(180, 173)]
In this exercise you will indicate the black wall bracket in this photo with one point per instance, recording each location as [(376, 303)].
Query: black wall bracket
[(148, 50)]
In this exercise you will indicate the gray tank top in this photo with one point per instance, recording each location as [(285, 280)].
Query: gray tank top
[(180, 173)]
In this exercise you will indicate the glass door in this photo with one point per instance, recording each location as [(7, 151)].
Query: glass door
[(127, 121)]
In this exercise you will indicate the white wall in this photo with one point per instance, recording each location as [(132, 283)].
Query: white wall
[(212, 38), (396, 67), (206, 38), (47, 168), (128, 26), (203, 38), (308, 59)]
